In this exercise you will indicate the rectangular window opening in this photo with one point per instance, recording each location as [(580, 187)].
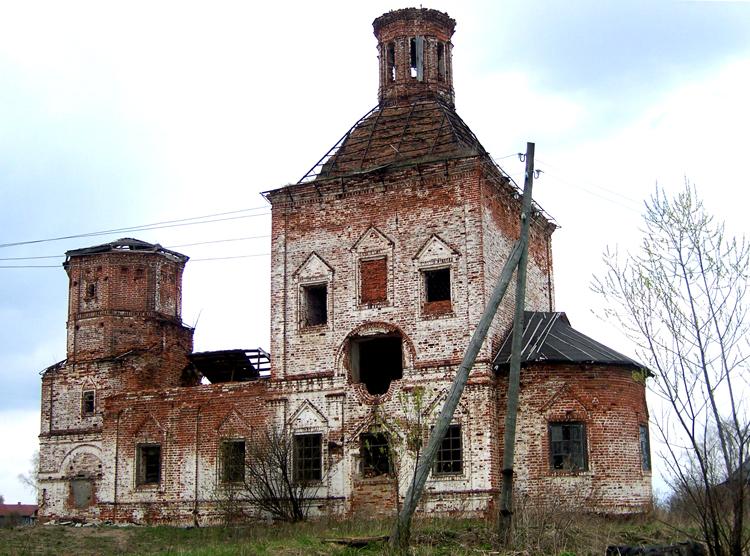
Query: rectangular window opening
[(568, 446), (149, 464), (375, 361), (645, 443), (437, 285), (88, 402), (441, 61), (315, 300), (373, 281), (375, 452), (391, 61), (233, 461), (416, 54), (450, 453), (308, 460)]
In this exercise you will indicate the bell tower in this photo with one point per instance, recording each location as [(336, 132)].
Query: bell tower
[(125, 298), (414, 46)]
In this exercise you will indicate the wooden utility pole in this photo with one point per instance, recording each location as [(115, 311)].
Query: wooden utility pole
[(505, 517), (401, 531)]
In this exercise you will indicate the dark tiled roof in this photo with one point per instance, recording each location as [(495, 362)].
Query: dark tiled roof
[(126, 244), (423, 130), (549, 337)]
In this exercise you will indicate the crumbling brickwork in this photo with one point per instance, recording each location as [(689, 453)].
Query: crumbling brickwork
[(382, 261)]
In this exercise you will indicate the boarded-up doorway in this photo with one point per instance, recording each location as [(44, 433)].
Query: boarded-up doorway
[(82, 492)]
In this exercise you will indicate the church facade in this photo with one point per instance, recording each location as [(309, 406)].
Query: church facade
[(382, 260)]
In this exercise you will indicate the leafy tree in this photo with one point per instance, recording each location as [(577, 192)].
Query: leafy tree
[(682, 299)]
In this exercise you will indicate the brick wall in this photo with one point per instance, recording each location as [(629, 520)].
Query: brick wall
[(611, 403)]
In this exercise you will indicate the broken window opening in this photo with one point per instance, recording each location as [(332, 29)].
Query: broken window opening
[(308, 457), (568, 446), (375, 451), (90, 290), (373, 278), (437, 285), (88, 402), (391, 61), (450, 453), (376, 361), (441, 61), (315, 305), (416, 56), (148, 466), (645, 443), (233, 461)]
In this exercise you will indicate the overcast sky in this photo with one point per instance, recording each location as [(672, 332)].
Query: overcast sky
[(114, 115)]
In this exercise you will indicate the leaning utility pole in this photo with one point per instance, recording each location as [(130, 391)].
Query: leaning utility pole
[(505, 517), (399, 538)]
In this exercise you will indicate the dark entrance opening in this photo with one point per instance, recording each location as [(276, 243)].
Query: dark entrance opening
[(376, 457), (376, 361)]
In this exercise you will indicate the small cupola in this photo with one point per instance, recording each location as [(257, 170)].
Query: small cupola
[(414, 46)]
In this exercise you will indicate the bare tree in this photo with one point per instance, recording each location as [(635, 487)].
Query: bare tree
[(682, 298), (29, 480), (272, 478)]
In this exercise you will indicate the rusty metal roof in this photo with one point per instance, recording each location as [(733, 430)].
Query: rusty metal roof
[(549, 337), (126, 244), (424, 130), (232, 365), (23, 510)]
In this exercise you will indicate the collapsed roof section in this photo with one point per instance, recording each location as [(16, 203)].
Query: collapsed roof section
[(124, 245), (549, 338), (232, 365), (422, 131)]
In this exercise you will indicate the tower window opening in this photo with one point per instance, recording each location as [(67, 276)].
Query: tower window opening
[(416, 49), (315, 300), (88, 402), (441, 61), (390, 57), (437, 285), (91, 290), (376, 361)]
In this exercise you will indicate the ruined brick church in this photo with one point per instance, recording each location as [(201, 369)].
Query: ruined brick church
[(383, 257)]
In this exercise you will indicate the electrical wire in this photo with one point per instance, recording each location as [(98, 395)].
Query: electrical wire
[(202, 259), (167, 246), (152, 226)]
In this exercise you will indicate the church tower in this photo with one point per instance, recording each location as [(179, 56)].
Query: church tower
[(125, 335), (383, 257)]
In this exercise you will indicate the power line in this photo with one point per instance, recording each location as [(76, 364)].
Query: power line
[(202, 259), (216, 241), (231, 257), (152, 226), (612, 191), (167, 246)]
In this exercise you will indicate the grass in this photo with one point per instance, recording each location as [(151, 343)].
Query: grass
[(577, 537)]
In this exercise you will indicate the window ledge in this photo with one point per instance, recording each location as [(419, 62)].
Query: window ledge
[(315, 329), (448, 476), (374, 305), (567, 473)]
